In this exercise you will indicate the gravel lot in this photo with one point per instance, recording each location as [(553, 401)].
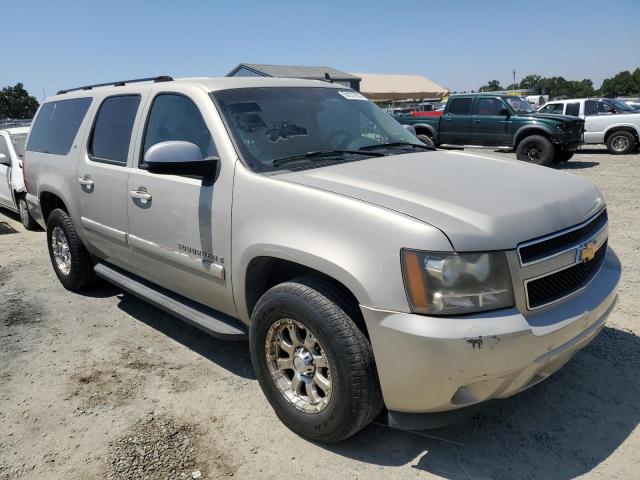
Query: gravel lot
[(102, 385)]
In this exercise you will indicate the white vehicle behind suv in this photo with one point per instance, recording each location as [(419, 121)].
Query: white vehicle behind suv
[(12, 189), (607, 121)]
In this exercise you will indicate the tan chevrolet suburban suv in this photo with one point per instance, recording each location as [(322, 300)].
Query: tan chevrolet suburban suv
[(368, 271)]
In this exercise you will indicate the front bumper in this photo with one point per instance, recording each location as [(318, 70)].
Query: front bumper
[(436, 364)]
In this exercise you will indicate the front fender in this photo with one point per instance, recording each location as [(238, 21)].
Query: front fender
[(352, 241), (526, 129)]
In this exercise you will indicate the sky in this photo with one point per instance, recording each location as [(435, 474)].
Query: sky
[(50, 45)]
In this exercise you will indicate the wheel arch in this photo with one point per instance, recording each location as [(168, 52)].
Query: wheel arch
[(527, 131), (634, 130), (426, 129), (263, 272), (49, 201)]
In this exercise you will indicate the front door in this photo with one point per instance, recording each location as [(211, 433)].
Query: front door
[(181, 225), (489, 127), (6, 198), (455, 124), (102, 179)]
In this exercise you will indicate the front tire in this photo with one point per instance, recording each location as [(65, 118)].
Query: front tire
[(620, 143), (70, 259), (25, 216), (562, 156), (313, 363), (535, 149)]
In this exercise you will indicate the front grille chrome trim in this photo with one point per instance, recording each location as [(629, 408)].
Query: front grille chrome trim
[(603, 244), (558, 234)]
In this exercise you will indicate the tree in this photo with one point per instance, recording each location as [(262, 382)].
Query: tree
[(622, 84), (15, 102), (492, 86)]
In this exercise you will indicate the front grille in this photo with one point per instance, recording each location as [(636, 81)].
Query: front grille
[(565, 282), (547, 247)]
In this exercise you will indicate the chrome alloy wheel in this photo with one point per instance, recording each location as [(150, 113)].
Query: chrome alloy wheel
[(61, 253), (620, 143), (298, 365)]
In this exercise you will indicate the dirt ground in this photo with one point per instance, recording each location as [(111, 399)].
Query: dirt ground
[(102, 385)]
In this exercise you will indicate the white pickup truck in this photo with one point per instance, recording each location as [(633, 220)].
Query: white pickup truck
[(607, 121), (12, 188)]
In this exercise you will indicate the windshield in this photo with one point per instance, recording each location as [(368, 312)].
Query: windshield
[(18, 140), (272, 123), (519, 104), (620, 106)]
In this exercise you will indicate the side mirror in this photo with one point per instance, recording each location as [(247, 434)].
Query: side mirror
[(4, 160), (411, 129), (179, 158), (504, 112)]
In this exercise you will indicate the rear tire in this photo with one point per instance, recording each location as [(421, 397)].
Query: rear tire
[(313, 311), (427, 140), (70, 259), (25, 216), (535, 149), (620, 143)]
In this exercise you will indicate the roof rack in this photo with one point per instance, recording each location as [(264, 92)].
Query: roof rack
[(121, 83)]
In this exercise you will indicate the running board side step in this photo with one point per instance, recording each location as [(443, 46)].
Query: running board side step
[(216, 324)]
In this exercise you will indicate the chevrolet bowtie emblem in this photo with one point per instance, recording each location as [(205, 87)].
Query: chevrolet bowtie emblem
[(588, 251)]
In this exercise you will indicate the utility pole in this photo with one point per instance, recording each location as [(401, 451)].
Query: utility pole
[(514, 77)]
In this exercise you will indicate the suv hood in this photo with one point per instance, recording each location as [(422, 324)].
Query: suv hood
[(479, 203)]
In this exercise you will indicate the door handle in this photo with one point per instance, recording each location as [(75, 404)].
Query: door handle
[(86, 181), (476, 121), (141, 194)]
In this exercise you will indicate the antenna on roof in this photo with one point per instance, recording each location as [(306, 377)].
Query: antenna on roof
[(327, 77)]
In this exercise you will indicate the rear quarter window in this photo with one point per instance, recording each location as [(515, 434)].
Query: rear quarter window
[(573, 109), (56, 126)]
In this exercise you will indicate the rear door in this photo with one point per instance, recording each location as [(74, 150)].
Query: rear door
[(180, 226), (102, 178), (455, 124), (6, 199), (489, 127)]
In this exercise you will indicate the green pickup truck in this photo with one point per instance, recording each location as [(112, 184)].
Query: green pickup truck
[(500, 121)]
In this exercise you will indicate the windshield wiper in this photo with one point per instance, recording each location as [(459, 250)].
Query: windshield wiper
[(396, 144), (322, 153)]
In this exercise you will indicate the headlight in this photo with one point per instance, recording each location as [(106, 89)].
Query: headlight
[(456, 283)]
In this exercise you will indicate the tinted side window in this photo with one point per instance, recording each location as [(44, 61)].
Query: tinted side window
[(460, 106), (175, 117), (593, 107), (573, 109), (488, 106), (553, 108), (112, 130), (56, 126)]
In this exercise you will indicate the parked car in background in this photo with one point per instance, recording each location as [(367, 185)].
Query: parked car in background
[(607, 121), (500, 121), (632, 102), (12, 189), (367, 269)]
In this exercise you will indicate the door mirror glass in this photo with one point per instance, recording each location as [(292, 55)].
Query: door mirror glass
[(504, 112), (179, 158), (4, 160)]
